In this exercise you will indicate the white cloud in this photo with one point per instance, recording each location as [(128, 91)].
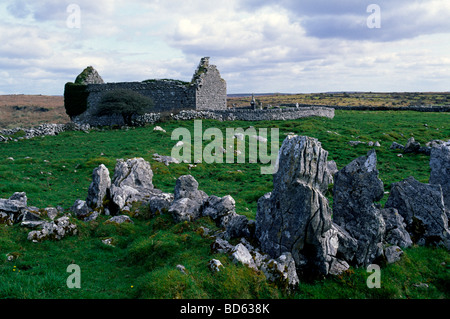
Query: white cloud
[(285, 46)]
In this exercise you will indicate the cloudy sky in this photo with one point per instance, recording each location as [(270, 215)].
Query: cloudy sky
[(290, 46)]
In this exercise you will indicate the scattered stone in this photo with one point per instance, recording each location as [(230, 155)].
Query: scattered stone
[(281, 271), (182, 269), (393, 254), (81, 209), (51, 212), (422, 207), (356, 188), (355, 143), (54, 230), (221, 246), (120, 219), (167, 160), (215, 265), (237, 226), (92, 216), (159, 128), (108, 241), (411, 146), (396, 146), (260, 138), (217, 208), (421, 285), (242, 255)]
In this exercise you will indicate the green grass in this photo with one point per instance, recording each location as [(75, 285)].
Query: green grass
[(56, 170)]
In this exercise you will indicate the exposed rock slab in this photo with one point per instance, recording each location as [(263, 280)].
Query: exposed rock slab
[(356, 188), (295, 216), (422, 207)]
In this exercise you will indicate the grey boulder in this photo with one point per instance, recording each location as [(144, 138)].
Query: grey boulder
[(99, 188), (422, 207), (295, 217), (440, 170), (356, 188)]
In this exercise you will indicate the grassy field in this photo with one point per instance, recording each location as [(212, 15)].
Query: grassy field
[(56, 170), (350, 99)]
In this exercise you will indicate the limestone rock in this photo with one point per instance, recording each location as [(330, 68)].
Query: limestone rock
[(188, 199), (440, 170), (11, 209), (356, 188), (187, 187), (81, 209), (295, 216), (159, 203), (55, 230), (237, 226), (222, 211), (185, 209), (393, 254), (242, 255), (281, 271), (411, 146), (422, 207), (221, 246), (99, 188), (332, 167), (132, 182), (396, 233), (165, 159), (397, 146), (215, 265), (216, 208), (120, 219)]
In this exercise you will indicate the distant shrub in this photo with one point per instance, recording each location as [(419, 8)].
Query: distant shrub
[(124, 102), (75, 98)]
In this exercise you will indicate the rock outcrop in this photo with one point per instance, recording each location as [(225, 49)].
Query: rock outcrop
[(11, 209), (132, 182), (295, 217), (54, 230), (356, 188), (422, 207), (440, 170), (188, 199), (99, 188), (396, 233)]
